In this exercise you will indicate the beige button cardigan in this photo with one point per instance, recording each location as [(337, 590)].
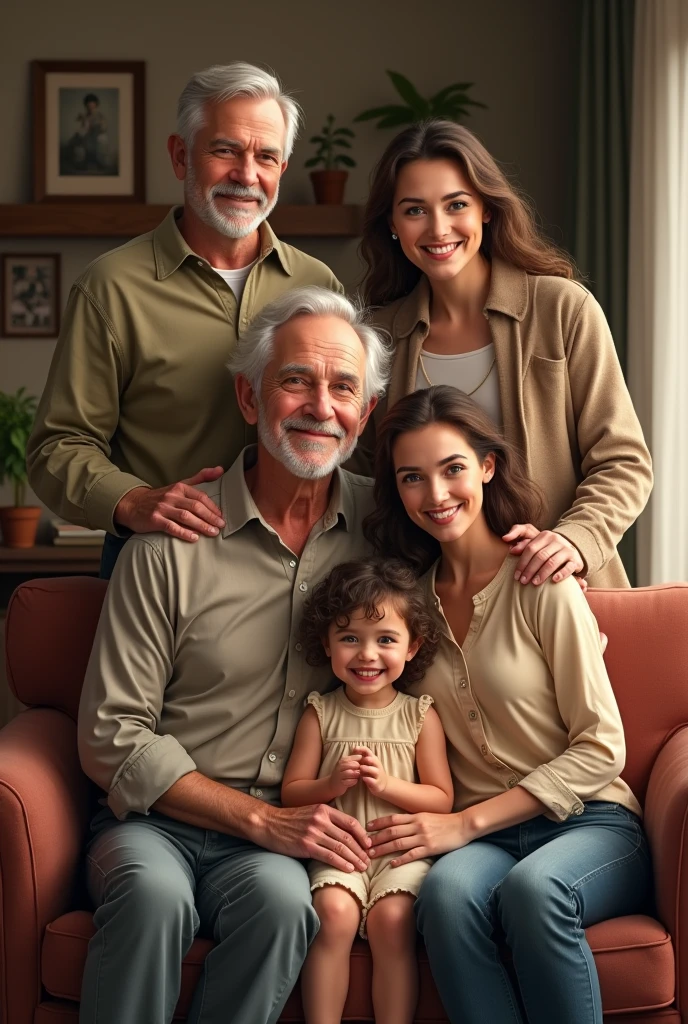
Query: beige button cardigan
[(564, 403)]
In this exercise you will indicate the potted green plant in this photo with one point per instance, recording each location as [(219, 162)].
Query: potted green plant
[(18, 522), (450, 103), (329, 183)]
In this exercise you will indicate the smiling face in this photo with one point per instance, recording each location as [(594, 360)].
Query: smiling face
[(231, 173), (438, 216), (369, 655), (440, 480), (310, 411)]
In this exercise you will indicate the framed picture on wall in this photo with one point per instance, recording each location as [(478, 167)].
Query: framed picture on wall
[(89, 130), (30, 295)]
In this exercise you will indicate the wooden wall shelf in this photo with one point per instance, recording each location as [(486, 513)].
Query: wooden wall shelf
[(50, 558), (125, 220)]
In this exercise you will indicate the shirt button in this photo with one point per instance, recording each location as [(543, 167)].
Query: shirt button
[(512, 782), (292, 563), (259, 792), (299, 647), (244, 319), (483, 749), (291, 693), (472, 715), (272, 757), (463, 683), (201, 263), (303, 586)]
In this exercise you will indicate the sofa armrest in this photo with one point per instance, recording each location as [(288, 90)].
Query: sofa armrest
[(44, 811), (666, 824)]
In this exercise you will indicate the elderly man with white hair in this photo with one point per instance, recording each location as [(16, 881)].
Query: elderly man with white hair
[(196, 684), (135, 412)]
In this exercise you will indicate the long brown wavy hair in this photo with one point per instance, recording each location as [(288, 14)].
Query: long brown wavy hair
[(512, 233), (510, 497)]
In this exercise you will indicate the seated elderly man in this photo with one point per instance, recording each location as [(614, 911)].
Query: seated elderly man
[(196, 684)]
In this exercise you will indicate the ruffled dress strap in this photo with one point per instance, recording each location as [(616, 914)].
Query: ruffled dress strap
[(315, 700), (424, 702)]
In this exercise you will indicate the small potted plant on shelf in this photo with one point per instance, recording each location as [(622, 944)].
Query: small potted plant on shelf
[(329, 183), (18, 522)]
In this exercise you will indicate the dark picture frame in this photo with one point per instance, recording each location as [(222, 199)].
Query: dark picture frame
[(88, 131), (30, 298)]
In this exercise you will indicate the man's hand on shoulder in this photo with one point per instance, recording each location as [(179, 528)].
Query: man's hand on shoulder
[(180, 509), (318, 832)]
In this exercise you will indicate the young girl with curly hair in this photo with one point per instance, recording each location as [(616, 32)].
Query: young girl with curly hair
[(372, 750)]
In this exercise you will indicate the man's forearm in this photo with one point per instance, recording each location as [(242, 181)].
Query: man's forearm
[(200, 801)]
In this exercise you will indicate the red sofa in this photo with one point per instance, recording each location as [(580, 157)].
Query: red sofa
[(46, 802)]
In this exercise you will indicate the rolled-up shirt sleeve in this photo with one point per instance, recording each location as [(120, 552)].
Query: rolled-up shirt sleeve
[(131, 663), (570, 640)]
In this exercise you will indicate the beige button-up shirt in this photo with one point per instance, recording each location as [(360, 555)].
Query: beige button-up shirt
[(195, 663), (138, 391), (526, 700)]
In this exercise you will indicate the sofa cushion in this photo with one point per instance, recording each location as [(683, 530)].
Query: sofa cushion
[(634, 957)]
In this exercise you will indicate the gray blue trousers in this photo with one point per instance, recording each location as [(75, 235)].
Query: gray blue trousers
[(156, 882)]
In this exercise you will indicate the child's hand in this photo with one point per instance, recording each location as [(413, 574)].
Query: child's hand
[(345, 774), (372, 773)]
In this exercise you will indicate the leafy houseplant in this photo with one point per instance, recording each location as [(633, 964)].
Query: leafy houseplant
[(450, 103), (18, 522), (329, 183)]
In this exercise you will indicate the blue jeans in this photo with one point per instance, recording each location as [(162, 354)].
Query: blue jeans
[(540, 884)]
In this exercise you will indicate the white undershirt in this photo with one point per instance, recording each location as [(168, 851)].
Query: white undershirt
[(236, 279), (465, 371)]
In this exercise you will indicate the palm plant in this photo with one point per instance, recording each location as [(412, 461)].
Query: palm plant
[(17, 414), (329, 141), (451, 103)]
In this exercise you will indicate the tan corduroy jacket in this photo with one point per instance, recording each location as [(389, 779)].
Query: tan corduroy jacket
[(564, 403)]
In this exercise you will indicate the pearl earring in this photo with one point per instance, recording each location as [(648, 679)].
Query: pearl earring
[(394, 236)]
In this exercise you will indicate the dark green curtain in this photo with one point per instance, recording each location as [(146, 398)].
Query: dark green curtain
[(602, 181)]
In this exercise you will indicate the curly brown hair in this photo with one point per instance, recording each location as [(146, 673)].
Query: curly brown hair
[(365, 584)]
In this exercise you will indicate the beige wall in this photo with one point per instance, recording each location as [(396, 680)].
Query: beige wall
[(522, 55)]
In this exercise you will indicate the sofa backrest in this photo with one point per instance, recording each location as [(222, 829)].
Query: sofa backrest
[(50, 627)]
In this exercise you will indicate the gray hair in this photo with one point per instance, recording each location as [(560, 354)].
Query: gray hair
[(223, 82), (254, 350)]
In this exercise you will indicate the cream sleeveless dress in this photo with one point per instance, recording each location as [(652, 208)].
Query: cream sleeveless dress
[(391, 734)]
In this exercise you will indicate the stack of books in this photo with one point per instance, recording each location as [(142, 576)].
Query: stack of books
[(68, 535)]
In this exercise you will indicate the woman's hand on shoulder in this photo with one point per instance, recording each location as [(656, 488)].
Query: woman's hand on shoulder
[(544, 554), (415, 836)]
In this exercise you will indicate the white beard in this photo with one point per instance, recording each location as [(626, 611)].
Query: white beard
[(239, 224), (299, 465)]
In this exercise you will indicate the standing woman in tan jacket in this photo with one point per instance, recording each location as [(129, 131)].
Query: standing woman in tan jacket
[(475, 297)]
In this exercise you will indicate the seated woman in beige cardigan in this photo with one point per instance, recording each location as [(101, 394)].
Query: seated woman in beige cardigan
[(473, 296)]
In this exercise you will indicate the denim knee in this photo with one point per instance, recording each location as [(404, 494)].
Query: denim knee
[(532, 895), (446, 901)]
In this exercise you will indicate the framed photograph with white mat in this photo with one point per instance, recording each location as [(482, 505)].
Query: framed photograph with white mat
[(89, 130)]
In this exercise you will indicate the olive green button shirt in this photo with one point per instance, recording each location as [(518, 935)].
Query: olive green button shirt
[(195, 663), (526, 699), (138, 391)]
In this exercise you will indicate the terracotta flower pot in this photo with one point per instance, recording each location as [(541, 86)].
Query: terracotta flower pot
[(329, 186), (19, 525)]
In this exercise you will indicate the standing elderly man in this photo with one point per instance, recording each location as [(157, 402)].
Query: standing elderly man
[(196, 684), (135, 413)]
